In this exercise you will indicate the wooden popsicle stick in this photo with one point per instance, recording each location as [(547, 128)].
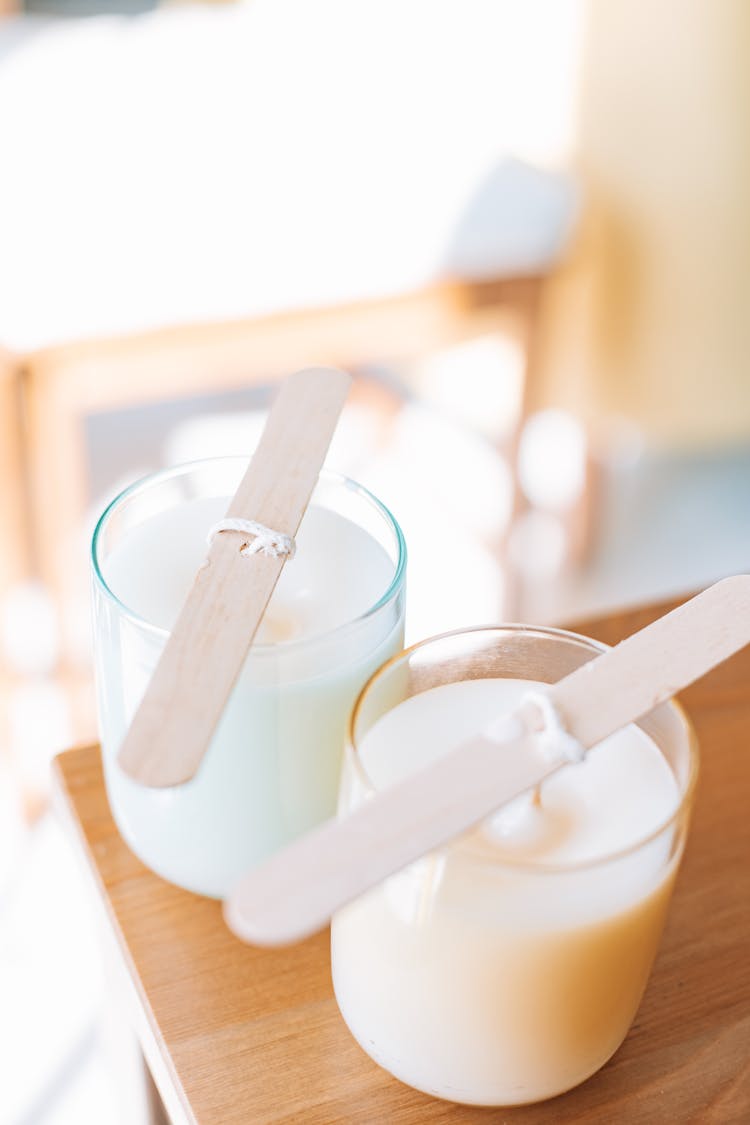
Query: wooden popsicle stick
[(203, 656), (655, 663), (297, 890)]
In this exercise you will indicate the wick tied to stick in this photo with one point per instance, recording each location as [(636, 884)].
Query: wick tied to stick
[(265, 541)]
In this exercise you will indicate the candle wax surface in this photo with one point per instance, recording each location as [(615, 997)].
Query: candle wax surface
[(506, 966), (336, 575), (622, 791), (272, 769)]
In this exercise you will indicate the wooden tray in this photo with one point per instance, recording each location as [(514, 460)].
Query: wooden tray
[(234, 1034)]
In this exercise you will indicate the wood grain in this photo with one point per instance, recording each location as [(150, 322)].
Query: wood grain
[(238, 1035), (195, 675)]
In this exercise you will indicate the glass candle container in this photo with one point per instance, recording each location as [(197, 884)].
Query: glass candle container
[(272, 769), (507, 967)]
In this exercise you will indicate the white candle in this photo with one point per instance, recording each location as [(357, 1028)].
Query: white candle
[(272, 769), (508, 967)]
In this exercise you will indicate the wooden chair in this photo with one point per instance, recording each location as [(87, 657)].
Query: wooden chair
[(62, 386)]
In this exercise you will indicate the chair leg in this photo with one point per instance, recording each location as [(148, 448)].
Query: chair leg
[(579, 519), (529, 295), (156, 1110), (64, 386), (58, 491), (15, 545)]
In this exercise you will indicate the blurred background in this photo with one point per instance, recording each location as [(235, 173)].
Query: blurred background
[(521, 226)]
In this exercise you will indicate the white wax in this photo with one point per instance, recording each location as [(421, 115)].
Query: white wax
[(272, 769), (504, 970), (621, 792), (336, 575)]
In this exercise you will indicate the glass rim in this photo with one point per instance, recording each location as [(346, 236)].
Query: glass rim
[(463, 849), (142, 484)]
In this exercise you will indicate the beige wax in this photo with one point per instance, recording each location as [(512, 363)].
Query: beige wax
[(508, 967)]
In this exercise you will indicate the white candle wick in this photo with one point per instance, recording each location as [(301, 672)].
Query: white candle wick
[(265, 540)]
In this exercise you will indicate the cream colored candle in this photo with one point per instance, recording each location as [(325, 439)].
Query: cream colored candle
[(272, 769), (508, 967)]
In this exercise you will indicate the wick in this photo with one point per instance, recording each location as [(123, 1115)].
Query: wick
[(265, 540), (536, 796), (552, 736)]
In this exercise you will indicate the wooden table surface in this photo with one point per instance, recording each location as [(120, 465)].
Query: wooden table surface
[(235, 1034)]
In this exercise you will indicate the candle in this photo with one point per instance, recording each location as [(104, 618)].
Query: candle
[(507, 967), (272, 768)]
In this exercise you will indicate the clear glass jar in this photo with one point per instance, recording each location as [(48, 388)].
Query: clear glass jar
[(272, 769), (495, 982)]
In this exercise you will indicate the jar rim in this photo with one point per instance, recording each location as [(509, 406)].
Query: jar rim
[(461, 847), (142, 484)]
